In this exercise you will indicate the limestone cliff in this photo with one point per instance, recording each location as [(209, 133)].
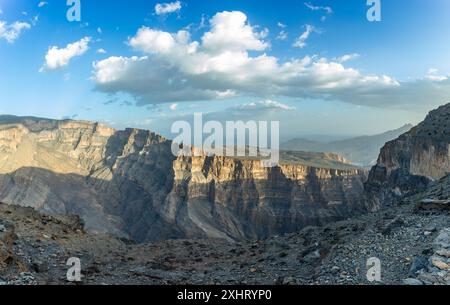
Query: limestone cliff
[(407, 164), (114, 180), (128, 183), (229, 198)]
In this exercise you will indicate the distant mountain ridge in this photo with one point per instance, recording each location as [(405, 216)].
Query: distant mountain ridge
[(362, 151)]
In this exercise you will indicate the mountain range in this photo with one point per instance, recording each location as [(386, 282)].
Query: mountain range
[(362, 151)]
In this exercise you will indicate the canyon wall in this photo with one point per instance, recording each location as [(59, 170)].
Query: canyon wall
[(112, 179), (129, 184), (236, 199), (407, 164)]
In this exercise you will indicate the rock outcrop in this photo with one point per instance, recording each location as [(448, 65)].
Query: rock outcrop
[(9, 262), (129, 184), (407, 164)]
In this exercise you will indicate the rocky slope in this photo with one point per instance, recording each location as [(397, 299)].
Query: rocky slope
[(408, 164), (113, 179), (128, 183), (409, 238)]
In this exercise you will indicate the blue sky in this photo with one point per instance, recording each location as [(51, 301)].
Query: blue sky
[(232, 59)]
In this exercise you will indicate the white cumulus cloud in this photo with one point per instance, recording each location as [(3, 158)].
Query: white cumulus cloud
[(231, 60), (231, 31), (11, 32), (57, 58), (167, 8)]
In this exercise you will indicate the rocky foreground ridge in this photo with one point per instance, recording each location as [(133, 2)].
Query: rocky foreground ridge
[(409, 163), (129, 184)]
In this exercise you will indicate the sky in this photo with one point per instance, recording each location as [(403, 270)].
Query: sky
[(321, 68)]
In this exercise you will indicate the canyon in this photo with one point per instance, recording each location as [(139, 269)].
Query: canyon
[(128, 183), (83, 189)]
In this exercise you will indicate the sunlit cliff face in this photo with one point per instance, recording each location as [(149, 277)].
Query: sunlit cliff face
[(64, 147)]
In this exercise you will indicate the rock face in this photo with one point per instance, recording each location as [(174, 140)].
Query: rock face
[(229, 198), (407, 164), (114, 180), (129, 184)]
